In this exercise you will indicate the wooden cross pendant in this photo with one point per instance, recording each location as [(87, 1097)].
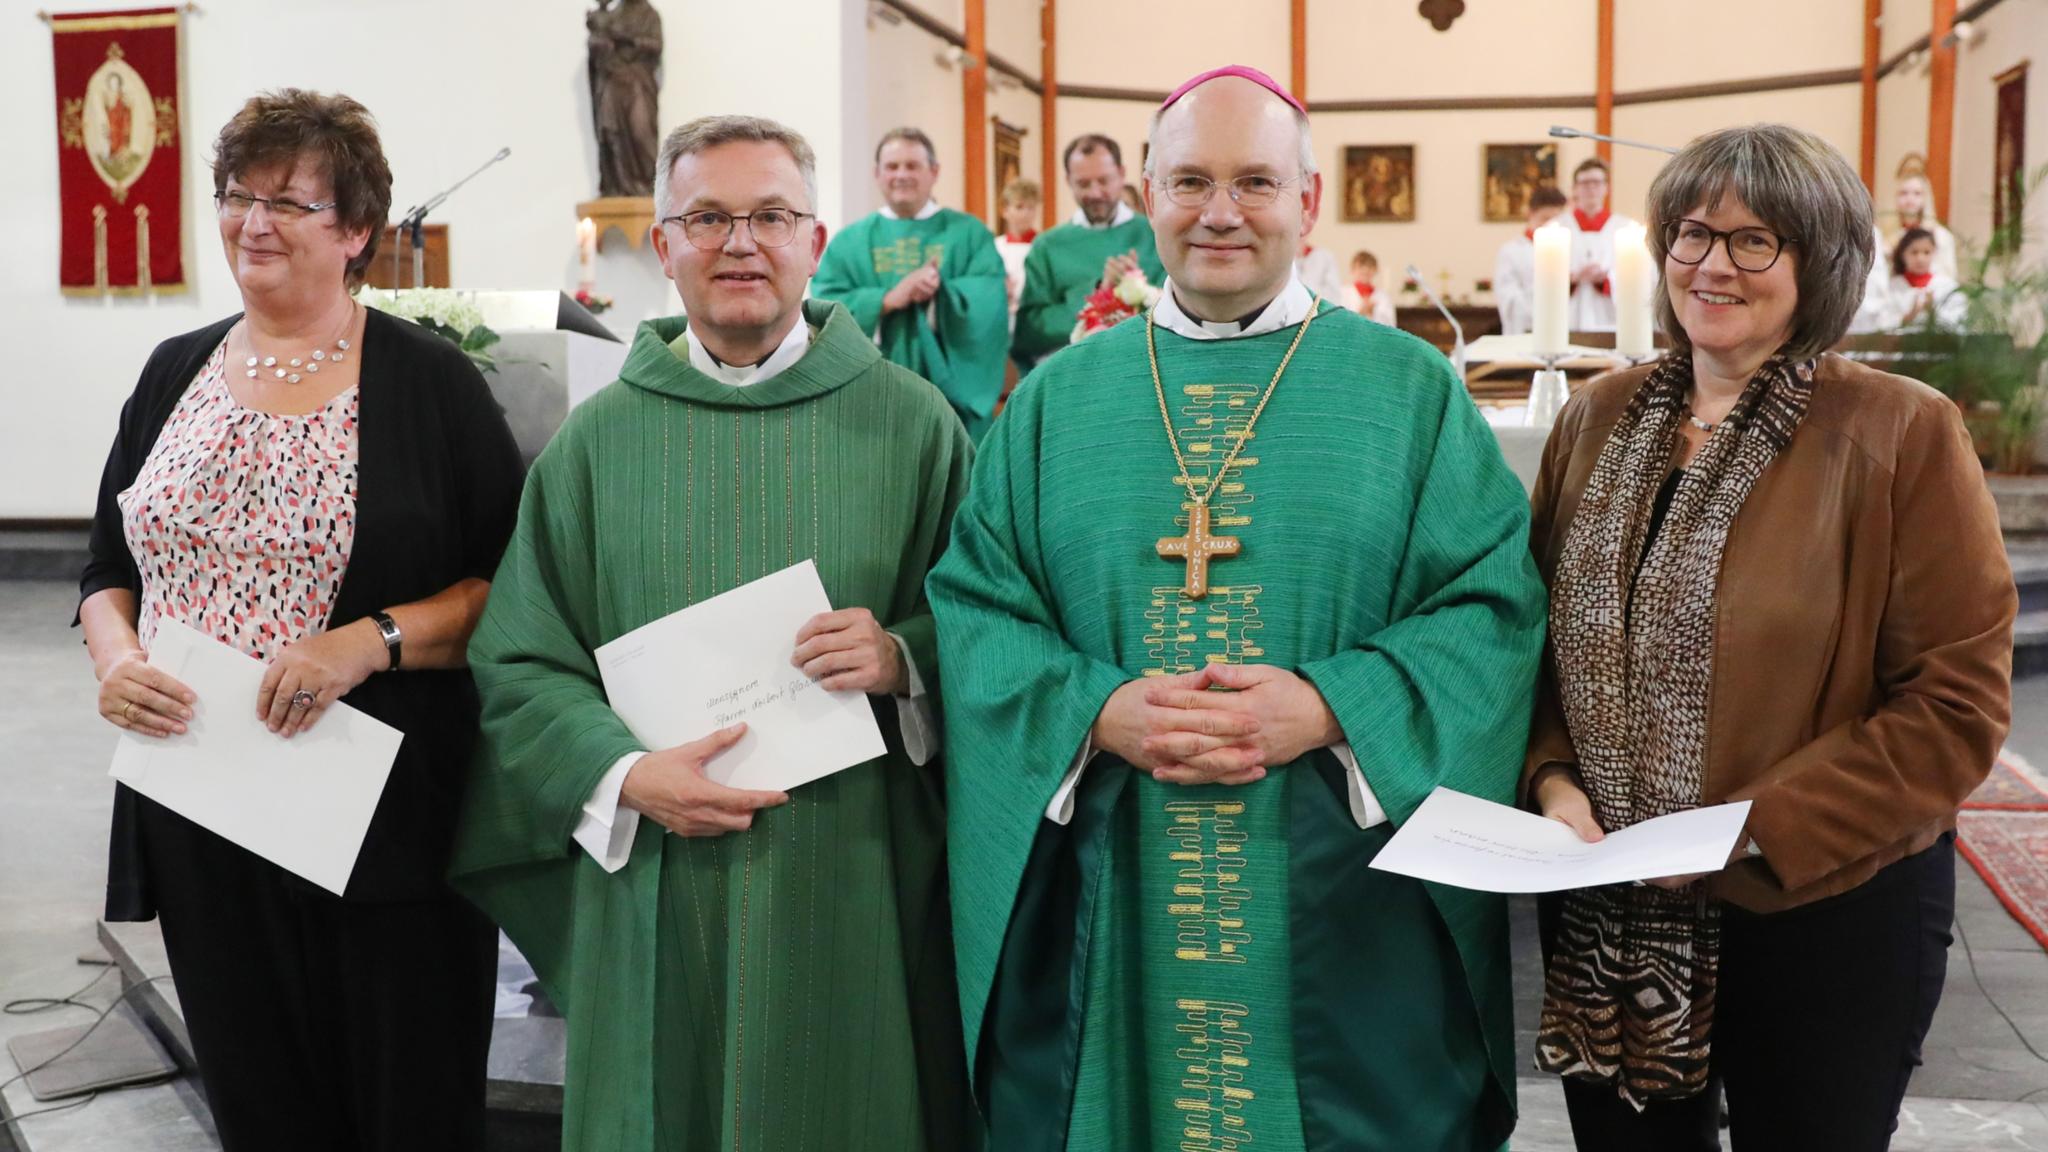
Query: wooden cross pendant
[(1197, 547)]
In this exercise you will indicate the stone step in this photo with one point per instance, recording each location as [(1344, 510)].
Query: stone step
[(523, 1093), (43, 553)]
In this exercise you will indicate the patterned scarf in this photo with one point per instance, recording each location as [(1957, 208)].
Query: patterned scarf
[(1629, 993)]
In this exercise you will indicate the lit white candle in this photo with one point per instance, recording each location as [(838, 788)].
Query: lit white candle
[(1553, 289), (1633, 284), (586, 250)]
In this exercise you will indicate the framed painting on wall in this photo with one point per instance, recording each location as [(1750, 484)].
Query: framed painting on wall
[(2008, 157), (1379, 183), (1512, 172), (1009, 161)]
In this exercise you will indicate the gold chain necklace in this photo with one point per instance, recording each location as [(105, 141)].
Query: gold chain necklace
[(1197, 547)]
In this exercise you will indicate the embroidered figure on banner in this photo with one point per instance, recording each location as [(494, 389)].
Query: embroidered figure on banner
[(119, 170)]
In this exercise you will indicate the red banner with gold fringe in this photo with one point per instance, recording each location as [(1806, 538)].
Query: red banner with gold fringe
[(120, 166)]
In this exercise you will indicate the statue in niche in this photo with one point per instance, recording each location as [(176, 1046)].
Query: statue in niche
[(625, 59)]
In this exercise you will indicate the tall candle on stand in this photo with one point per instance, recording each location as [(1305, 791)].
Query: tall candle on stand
[(586, 253), (1553, 289), (1633, 285)]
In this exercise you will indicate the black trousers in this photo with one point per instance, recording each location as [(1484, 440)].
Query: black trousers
[(322, 1025), (1817, 1028)]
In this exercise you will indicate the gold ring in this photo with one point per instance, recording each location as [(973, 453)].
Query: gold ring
[(127, 712)]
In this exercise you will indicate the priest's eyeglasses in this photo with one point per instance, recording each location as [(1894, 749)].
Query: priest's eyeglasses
[(235, 205), (1751, 249), (770, 227), (1190, 191)]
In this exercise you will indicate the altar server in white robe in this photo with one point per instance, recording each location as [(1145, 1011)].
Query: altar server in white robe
[(1593, 226), (1514, 269)]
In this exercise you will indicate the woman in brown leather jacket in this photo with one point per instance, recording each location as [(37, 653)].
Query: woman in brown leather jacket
[(1776, 576)]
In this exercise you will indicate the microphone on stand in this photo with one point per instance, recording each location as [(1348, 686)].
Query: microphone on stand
[(1564, 133), (1457, 329), (415, 219)]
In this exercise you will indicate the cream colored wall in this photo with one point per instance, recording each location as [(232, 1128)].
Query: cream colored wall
[(912, 85), (1901, 127), (1013, 27), (1667, 43), (1834, 112), (1149, 44), (1903, 22), (1380, 49), (2015, 31)]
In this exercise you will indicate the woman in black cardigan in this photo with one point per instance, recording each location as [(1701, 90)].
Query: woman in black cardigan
[(328, 489)]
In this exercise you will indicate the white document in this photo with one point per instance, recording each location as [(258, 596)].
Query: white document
[(1472, 843), (726, 660), (303, 804)]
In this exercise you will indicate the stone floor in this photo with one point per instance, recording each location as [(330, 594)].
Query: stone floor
[(1984, 1085)]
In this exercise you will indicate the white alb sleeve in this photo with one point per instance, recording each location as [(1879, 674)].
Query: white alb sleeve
[(921, 733), (605, 830), (1366, 811), (1061, 810)]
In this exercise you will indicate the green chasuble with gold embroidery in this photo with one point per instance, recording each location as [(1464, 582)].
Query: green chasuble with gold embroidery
[(960, 339), (782, 988), (1217, 967), (1062, 269)]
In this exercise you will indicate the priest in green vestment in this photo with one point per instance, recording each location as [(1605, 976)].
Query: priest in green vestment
[(1210, 632), (1103, 241), (744, 970), (925, 282)]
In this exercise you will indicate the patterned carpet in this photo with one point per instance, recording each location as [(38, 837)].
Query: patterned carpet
[(2003, 833)]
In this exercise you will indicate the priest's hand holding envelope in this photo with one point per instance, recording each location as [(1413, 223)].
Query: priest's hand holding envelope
[(850, 651), (670, 788)]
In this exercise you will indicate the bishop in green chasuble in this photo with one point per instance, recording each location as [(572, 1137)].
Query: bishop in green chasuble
[(741, 971), (1152, 965), (925, 282)]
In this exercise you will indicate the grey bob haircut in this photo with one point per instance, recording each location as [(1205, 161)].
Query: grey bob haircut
[(1802, 189), (708, 132)]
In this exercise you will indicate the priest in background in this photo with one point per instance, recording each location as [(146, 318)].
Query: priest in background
[(1514, 270), (1317, 268), (1191, 689), (744, 970), (1104, 241), (1593, 226), (925, 282)]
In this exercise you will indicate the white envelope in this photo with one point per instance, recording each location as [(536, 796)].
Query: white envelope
[(303, 804), (1472, 843), (725, 660)]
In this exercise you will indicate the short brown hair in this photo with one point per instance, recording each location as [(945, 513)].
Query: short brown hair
[(281, 127), (1547, 196), (915, 136), (1591, 164), (1021, 191), (1802, 189), (1363, 258), (708, 132), (1091, 142)]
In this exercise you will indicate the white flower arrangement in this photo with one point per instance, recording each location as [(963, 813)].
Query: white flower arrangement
[(446, 311)]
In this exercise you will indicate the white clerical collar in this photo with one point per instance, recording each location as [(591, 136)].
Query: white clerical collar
[(1123, 216), (930, 209), (790, 351), (1287, 309)]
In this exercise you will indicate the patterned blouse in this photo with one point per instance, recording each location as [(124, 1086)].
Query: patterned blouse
[(241, 521)]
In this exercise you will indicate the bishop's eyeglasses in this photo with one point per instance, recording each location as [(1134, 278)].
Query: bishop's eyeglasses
[(1191, 191), (235, 205), (1751, 249), (770, 227)]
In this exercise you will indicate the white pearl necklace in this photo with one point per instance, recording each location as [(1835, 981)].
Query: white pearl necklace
[(291, 370)]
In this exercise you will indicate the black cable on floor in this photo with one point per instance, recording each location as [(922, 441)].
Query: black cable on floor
[(13, 1122), (1971, 955), (29, 1006)]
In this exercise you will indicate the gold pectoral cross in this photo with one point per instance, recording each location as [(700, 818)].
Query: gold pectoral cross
[(1197, 547)]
